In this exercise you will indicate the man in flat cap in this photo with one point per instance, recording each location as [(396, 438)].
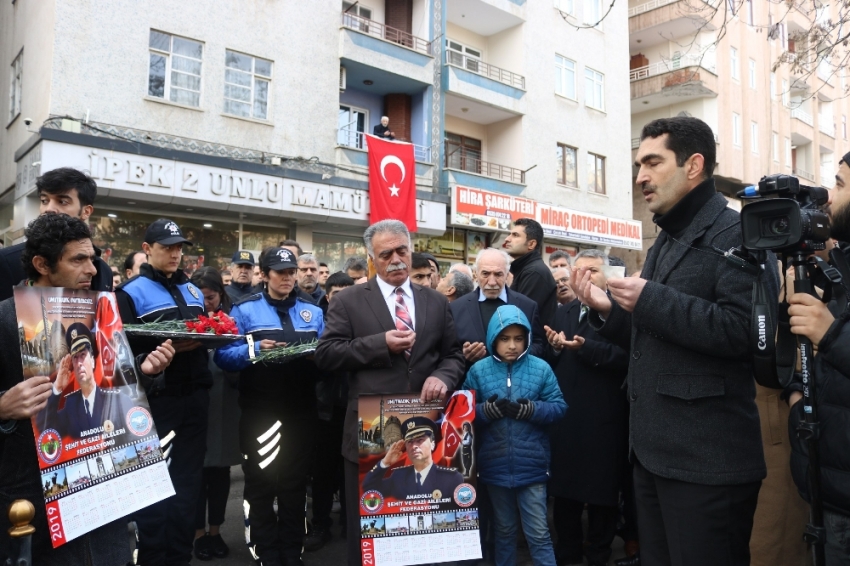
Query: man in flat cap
[(90, 406), (422, 476)]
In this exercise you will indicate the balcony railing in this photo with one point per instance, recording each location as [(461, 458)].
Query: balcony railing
[(479, 67), (802, 173), (827, 176), (387, 33), (653, 4), (802, 116), (826, 126), (354, 139), (662, 67), (457, 158)]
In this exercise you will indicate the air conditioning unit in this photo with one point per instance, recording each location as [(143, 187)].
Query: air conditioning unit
[(341, 79)]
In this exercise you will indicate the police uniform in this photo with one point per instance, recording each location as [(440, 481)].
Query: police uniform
[(278, 415), (406, 481), (237, 291), (178, 398)]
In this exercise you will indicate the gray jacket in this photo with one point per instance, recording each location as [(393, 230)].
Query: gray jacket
[(690, 384)]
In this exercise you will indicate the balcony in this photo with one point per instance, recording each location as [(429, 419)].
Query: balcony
[(354, 140), (489, 93), (371, 44), (802, 173), (669, 82), (827, 176), (826, 126), (484, 69), (351, 151), (803, 116), (486, 17), (657, 21), (458, 159)]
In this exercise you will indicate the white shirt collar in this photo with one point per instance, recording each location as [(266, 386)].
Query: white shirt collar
[(424, 473), (503, 295), (90, 399), (388, 290)]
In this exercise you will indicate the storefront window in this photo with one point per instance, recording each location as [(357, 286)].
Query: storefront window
[(214, 241), (448, 248), (255, 238), (334, 250)]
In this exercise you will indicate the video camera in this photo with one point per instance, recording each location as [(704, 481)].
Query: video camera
[(787, 224)]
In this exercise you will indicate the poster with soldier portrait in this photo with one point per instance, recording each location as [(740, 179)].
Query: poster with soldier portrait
[(98, 451), (418, 500)]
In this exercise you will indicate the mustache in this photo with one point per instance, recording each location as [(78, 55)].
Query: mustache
[(492, 288), (645, 186), (396, 266)]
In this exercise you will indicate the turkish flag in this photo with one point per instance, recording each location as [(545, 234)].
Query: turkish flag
[(392, 181)]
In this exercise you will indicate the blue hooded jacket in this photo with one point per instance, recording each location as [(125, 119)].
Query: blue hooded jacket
[(514, 453)]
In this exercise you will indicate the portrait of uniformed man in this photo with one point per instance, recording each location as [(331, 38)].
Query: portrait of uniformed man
[(422, 476), (90, 406)]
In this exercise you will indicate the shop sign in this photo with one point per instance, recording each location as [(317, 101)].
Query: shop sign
[(495, 211), (167, 181)]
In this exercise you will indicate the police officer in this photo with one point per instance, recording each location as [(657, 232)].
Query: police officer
[(278, 408), (179, 399), (242, 269)]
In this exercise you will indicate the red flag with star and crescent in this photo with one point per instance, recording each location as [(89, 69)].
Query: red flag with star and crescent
[(392, 181)]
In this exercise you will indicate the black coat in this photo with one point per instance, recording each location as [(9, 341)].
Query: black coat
[(470, 326), (12, 271), (533, 279), (693, 413), (590, 444)]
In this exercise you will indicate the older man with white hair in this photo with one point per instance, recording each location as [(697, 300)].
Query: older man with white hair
[(392, 337), (473, 311)]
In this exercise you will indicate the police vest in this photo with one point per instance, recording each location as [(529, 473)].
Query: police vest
[(257, 315), (152, 299)]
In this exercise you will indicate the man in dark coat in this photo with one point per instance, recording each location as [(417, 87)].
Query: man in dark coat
[(589, 445), (531, 276), (472, 312), (694, 429), (422, 476), (63, 191), (383, 130), (72, 267), (242, 268), (393, 337)]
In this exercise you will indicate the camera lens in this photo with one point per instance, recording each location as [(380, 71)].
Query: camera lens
[(776, 226)]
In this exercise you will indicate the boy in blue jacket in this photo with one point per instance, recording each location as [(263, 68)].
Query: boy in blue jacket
[(521, 396)]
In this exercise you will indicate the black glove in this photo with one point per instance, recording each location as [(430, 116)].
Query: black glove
[(521, 409), (494, 407)]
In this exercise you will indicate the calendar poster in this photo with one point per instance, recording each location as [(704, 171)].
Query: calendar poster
[(418, 500), (99, 455)]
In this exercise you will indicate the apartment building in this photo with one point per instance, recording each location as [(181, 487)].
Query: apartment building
[(715, 60), (245, 122)]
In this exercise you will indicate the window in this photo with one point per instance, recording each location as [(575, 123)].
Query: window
[(463, 153), (566, 6), (175, 68), (844, 127), (736, 129), (356, 16), (594, 89), (752, 74), (754, 137), (786, 101), (783, 36), (15, 83), (775, 140), (596, 173), (351, 123), (463, 55), (246, 85), (772, 85), (357, 9), (733, 62), (593, 12), (751, 16), (788, 152), (565, 77), (566, 156)]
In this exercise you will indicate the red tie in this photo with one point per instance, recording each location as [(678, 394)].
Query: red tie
[(403, 321)]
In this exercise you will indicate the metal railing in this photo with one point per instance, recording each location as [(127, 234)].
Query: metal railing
[(354, 139), (802, 173), (653, 4), (385, 32), (479, 67), (669, 66), (456, 158), (826, 127), (802, 116)]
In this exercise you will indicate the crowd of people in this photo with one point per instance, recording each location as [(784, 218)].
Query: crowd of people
[(628, 398)]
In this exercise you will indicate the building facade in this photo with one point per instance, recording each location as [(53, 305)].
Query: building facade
[(732, 65), (245, 123)]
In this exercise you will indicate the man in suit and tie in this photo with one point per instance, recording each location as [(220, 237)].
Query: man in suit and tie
[(421, 435), (89, 407), (473, 311), (393, 337), (589, 445)]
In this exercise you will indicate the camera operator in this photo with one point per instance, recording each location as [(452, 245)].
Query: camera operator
[(830, 333), (695, 439)]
